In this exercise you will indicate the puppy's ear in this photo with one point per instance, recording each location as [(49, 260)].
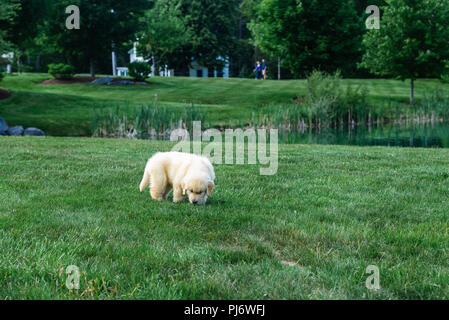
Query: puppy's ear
[(210, 187)]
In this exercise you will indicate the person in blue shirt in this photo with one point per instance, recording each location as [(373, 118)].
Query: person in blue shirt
[(258, 70), (264, 69)]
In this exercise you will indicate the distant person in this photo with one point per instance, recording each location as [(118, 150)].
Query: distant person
[(258, 70), (264, 69)]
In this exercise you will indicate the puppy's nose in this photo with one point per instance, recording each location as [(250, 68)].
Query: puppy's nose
[(195, 201)]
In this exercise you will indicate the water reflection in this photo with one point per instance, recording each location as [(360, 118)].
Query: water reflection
[(395, 135)]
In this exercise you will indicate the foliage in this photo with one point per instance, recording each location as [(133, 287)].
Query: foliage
[(104, 24), (164, 19), (445, 73), (8, 10), (1, 76), (200, 30), (412, 41), (61, 70), (310, 34), (139, 70), (328, 101), (151, 121)]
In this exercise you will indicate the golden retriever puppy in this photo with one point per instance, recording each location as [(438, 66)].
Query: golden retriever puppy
[(185, 173)]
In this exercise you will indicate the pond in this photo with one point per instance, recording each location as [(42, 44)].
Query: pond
[(395, 135)]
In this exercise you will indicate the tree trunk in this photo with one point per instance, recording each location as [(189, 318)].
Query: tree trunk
[(92, 68), (279, 68), (412, 91), (37, 63)]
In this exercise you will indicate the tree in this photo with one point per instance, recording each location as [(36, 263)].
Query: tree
[(412, 42), (212, 26), (8, 10), (165, 34), (27, 33), (180, 32), (104, 23), (309, 34)]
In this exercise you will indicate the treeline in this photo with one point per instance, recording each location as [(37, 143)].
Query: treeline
[(302, 35)]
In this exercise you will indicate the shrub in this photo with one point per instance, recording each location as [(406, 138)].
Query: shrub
[(329, 101), (1, 76), (61, 71), (445, 74), (139, 70)]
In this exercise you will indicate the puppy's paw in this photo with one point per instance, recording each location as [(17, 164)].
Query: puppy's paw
[(178, 200)]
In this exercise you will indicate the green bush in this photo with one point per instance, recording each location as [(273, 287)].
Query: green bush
[(61, 71), (329, 101), (139, 70), (1, 76), (445, 74)]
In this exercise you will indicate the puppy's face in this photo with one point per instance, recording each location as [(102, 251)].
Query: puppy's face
[(198, 190)]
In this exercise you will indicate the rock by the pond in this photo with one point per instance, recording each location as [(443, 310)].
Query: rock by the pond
[(15, 131), (105, 80), (121, 83), (3, 125), (34, 132)]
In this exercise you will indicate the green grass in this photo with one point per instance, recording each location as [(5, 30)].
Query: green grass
[(332, 210), (67, 110)]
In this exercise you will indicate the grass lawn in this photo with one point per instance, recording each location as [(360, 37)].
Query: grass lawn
[(67, 110), (308, 232)]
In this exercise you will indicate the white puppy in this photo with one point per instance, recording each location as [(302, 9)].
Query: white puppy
[(183, 172)]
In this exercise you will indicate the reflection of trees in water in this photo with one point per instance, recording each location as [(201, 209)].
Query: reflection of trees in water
[(424, 136)]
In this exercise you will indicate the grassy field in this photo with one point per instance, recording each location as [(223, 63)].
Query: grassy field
[(308, 232), (67, 110)]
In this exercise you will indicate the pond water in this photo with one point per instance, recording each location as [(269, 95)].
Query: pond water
[(395, 135)]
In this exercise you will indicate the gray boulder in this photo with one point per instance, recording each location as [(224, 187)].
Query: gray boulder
[(122, 83), (105, 80), (15, 131), (34, 132), (3, 125)]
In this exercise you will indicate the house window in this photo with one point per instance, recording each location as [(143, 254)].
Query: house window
[(199, 73)]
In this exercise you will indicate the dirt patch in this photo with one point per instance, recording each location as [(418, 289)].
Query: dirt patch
[(4, 94), (84, 80)]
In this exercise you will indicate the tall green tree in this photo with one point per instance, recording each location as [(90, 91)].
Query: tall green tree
[(27, 33), (165, 34), (104, 23), (412, 42), (180, 32), (8, 10), (309, 34), (212, 26)]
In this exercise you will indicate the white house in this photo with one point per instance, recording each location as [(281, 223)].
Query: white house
[(195, 70)]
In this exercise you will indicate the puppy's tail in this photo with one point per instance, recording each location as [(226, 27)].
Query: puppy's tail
[(145, 181)]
